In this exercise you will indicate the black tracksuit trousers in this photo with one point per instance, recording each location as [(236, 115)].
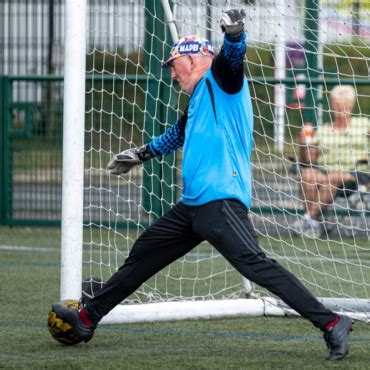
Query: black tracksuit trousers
[(226, 225)]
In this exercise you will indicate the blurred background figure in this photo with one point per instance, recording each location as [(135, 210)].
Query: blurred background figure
[(333, 158)]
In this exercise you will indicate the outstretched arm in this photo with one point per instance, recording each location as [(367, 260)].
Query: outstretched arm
[(172, 139), (227, 67)]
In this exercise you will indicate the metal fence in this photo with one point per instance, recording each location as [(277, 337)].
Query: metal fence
[(31, 69), (32, 31)]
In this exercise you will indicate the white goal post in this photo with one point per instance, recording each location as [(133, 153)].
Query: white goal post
[(73, 148), (117, 96)]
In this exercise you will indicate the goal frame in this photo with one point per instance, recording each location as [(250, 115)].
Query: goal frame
[(72, 193), (72, 205), (73, 149)]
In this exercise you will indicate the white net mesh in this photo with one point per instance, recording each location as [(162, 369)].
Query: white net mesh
[(297, 52)]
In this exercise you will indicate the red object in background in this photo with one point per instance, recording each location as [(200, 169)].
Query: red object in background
[(308, 132)]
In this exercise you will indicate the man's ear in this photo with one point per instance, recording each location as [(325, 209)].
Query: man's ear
[(191, 58)]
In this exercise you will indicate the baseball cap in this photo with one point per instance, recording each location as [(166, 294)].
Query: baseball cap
[(187, 45)]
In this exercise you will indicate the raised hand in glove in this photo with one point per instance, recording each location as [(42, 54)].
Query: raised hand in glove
[(232, 23), (123, 162)]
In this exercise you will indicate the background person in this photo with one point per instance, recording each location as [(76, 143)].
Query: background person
[(331, 160)]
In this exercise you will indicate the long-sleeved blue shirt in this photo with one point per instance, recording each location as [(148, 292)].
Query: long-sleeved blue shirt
[(215, 132)]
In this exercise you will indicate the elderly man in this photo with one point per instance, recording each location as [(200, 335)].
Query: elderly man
[(216, 134), (332, 158)]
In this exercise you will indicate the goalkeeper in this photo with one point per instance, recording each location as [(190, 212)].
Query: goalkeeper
[(215, 132)]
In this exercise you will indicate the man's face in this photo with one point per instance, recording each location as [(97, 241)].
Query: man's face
[(182, 72), (341, 106)]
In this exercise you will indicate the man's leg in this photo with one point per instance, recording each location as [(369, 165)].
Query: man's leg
[(320, 189), (313, 182), (162, 243), (225, 224), (337, 180)]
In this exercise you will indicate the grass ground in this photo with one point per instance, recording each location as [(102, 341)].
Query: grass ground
[(30, 283)]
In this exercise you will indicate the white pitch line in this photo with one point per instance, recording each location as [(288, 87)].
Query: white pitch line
[(193, 255), (27, 249)]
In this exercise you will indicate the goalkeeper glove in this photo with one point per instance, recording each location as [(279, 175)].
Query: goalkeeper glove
[(123, 162), (232, 23)]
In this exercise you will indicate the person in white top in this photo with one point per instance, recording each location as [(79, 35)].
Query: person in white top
[(335, 158)]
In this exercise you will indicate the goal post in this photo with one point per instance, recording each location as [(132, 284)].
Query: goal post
[(117, 96), (73, 149)]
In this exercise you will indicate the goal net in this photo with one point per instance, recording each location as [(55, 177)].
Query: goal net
[(297, 52)]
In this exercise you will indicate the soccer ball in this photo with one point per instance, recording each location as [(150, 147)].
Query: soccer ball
[(62, 331)]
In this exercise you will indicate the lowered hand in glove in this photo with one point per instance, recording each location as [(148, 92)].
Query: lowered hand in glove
[(123, 162)]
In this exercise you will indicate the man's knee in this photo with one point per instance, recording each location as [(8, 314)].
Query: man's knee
[(261, 269), (339, 178), (313, 176), (252, 261)]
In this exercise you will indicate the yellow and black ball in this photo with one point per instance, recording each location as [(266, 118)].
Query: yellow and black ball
[(62, 331)]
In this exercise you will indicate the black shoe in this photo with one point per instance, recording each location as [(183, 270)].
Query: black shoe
[(72, 317), (336, 338)]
